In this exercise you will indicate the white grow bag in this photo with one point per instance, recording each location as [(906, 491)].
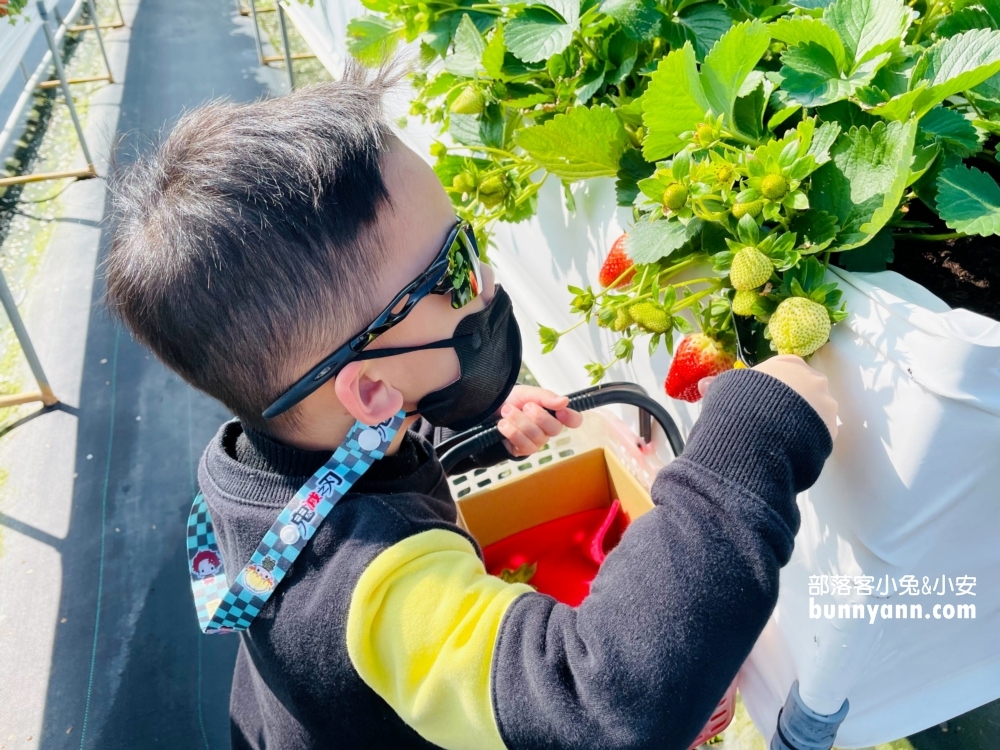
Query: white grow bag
[(912, 488)]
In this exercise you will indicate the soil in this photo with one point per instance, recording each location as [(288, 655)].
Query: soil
[(964, 272)]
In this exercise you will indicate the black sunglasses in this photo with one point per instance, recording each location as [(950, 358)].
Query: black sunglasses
[(456, 270)]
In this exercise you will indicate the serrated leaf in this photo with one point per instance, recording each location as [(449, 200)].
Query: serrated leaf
[(864, 182), (811, 77), (969, 201), (822, 141), (372, 39), (674, 103), (871, 257), (924, 157), (953, 131), (900, 108), (729, 63), (494, 53), (631, 168), (965, 19), (589, 86), (702, 25), (953, 65), (478, 130), (867, 28), (466, 58), (815, 230), (650, 241), (801, 29), (537, 34), (639, 18), (577, 145), (748, 111)]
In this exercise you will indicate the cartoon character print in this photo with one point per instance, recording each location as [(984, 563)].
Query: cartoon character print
[(258, 578), (206, 564)]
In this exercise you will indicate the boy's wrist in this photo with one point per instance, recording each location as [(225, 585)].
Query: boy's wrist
[(758, 432)]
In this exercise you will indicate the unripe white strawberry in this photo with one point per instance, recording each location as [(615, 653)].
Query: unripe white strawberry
[(750, 269), (799, 326), (743, 302)]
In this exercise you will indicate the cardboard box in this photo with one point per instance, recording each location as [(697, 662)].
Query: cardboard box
[(587, 481)]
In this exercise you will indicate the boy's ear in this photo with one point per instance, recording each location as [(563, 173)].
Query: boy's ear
[(367, 400)]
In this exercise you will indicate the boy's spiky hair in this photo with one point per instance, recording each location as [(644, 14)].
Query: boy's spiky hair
[(246, 244)]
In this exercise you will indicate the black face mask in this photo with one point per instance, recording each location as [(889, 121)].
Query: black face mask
[(488, 344)]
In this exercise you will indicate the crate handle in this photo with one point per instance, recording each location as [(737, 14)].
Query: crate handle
[(482, 446)]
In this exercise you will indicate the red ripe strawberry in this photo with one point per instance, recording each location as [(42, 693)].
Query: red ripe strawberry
[(616, 264), (698, 356)]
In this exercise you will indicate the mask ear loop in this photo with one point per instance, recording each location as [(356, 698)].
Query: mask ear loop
[(393, 351)]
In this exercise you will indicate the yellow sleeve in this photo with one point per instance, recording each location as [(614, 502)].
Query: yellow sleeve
[(421, 631)]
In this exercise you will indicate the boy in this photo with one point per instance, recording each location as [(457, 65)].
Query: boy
[(292, 258)]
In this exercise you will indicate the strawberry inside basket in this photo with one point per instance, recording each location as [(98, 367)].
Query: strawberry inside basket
[(560, 557)]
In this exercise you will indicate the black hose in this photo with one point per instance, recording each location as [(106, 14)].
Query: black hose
[(478, 447)]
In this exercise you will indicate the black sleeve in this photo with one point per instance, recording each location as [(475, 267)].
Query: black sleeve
[(678, 605)]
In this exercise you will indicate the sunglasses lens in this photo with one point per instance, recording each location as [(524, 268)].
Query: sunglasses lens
[(464, 275)]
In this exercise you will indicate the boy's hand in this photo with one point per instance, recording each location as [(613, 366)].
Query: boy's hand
[(809, 383), (526, 424)]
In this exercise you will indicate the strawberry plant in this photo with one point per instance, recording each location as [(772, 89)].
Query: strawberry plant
[(756, 143), (12, 8)]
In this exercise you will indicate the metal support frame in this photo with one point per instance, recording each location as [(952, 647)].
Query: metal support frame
[(60, 80), (120, 23), (286, 55), (44, 392), (286, 48)]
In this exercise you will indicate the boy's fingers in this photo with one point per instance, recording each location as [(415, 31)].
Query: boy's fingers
[(524, 394), (704, 383), (525, 425), (517, 442), (570, 417), (548, 423)]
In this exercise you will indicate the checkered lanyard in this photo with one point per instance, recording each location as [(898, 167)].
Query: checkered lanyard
[(223, 608)]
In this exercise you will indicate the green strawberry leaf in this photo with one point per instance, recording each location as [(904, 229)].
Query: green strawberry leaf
[(494, 53), (729, 63), (953, 65), (969, 201), (372, 39), (702, 25), (801, 29), (631, 168), (538, 33), (864, 182), (900, 108), (590, 84), (871, 257), (638, 18), (577, 145), (650, 241), (951, 130), (816, 230), (467, 56), (674, 103), (479, 130), (811, 77), (867, 28), (965, 19)]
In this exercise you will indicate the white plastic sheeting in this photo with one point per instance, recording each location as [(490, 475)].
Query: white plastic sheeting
[(912, 488)]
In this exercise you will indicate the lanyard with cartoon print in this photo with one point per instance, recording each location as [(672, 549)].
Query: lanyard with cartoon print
[(225, 608)]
